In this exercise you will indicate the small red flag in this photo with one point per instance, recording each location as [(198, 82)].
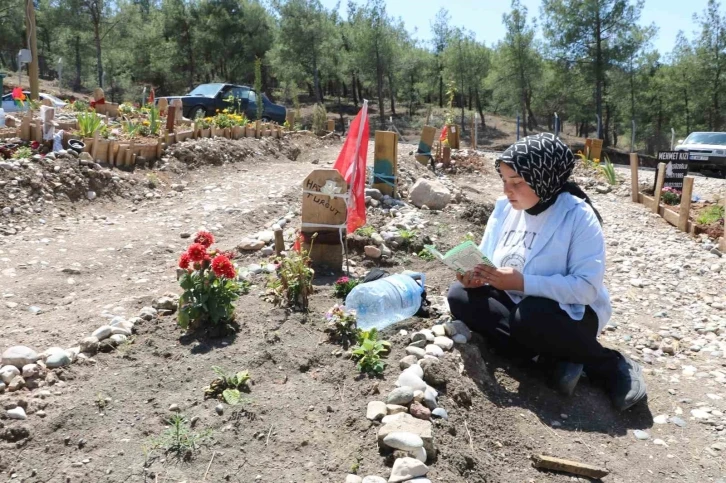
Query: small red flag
[(151, 97), (351, 164), (444, 134)]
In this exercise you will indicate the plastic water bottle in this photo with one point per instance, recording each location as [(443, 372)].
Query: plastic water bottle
[(386, 301), (2, 117)]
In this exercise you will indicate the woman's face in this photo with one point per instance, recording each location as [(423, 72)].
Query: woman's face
[(519, 193)]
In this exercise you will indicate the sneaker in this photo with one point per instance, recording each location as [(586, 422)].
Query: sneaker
[(565, 376), (626, 386)]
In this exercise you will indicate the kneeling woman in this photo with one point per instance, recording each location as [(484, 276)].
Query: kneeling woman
[(547, 298)]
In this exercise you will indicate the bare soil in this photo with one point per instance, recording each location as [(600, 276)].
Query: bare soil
[(304, 417)]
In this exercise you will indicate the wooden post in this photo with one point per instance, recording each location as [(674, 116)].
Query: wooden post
[(290, 118), (425, 144), (634, 184), (685, 203), (159, 148), (279, 243), (331, 125), (660, 177), (325, 215), (94, 148), (453, 136), (178, 114), (170, 118), (163, 106), (722, 243), (447, 157), (385, 162), (258, 129)]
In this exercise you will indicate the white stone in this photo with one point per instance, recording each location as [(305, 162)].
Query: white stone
[(119, 338), (2, 386), (251, 245), (395, 409), (419, 454), (7, 373), (73, 352), (428, 334), (376, 410), (18, 356), (659, 442), (430, 193), (403, 441), (120, 331), (700, 414), (30, 371), (661, 419), (374, 479), (406, 468), (438, 330), (89, 345), (102, 332), (415, 351), (400, 395), (17, 413), (409, 379), (434, 350), (353, 479), (444, 342), (58, 359), (372, 251), (415, 369), (393, 417)]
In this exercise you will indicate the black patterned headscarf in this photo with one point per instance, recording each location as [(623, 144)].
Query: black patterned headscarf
[(545, 163)]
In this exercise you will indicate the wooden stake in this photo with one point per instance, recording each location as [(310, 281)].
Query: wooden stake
[(170, 118), (94, 148), (658, 186), (279, 242), (634, 186), (331, 125), (567, 466), (385, 163), (685, 203), (258, 129), (447, 157)]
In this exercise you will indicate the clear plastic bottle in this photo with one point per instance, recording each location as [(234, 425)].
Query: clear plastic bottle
[(386, 301), (2, 117)]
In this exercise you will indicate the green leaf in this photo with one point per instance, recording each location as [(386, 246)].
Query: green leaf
[(243, 377), (219, 371), (231, 396)]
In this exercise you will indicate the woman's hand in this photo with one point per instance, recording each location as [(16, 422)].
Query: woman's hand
[(469, 280), (505, 278)]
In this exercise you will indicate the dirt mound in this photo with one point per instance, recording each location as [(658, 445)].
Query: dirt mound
[(30, 187), (478, 213), (220, 151)]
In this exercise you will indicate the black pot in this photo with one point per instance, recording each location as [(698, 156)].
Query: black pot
[(76, 145)]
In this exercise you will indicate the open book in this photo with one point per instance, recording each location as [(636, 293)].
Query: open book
[(462, 258)]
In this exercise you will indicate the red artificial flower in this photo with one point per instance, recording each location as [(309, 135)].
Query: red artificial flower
[(197, 252), (297, 246), (34, 145), (343, 280), (222, 267), (18, 94), (184, 261), (205, 238)]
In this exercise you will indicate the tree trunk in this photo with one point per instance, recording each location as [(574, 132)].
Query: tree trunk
[(598, 69), (77, 81), (99, 61), (391, 92), (353, 89), (316, 81), (411, 93), (379, 82), (688, 113), (470, 98), (478, 108), (441, 90), (360, 89), (340, 112), (606, 126)]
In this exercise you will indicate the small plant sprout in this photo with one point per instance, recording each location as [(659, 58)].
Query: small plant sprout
[(712, 214), (293, 283), (366, 231), (23, 152), (343, 286), (226, 387), (407, 235), (368, 352), (609, 171), (426, 255), (178, 439), (342, 326)]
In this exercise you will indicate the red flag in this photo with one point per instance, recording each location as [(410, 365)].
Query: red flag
[(444, 134), (351, 163), (151, 97)]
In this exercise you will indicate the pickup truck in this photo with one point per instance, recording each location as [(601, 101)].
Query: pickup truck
[(206, 99)]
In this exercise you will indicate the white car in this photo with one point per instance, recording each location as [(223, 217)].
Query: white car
[(706, 150), (8, 104)]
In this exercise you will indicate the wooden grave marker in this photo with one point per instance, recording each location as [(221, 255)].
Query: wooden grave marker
[(331, 125), (595, 147), (385, 162), (452, 135), (163, 105), (425, 145), (324, 211), (179, 108)]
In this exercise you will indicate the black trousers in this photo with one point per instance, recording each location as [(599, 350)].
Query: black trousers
[(534, 326)]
